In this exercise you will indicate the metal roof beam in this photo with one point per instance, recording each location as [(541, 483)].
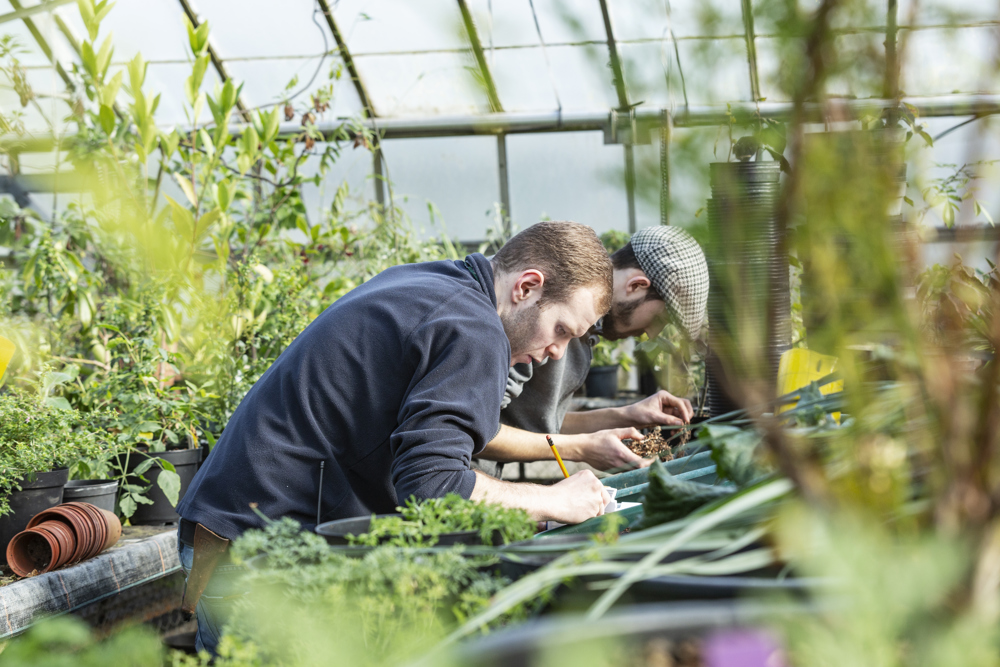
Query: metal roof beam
[(750, 37), (646, 119), (43, 45), (616, 62), (25, 12), (345, 55), (477, 51)]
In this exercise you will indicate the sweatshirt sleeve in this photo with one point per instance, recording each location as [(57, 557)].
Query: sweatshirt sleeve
[(452, 406)]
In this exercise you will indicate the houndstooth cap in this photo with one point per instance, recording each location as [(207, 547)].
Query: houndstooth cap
[(675, 264)]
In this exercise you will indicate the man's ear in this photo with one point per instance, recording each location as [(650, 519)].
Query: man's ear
[(528, 286), (637, 282)]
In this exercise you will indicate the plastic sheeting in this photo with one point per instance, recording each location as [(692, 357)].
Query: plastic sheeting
[(130, 563)]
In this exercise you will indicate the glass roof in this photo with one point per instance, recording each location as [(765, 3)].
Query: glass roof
[(416, 59)]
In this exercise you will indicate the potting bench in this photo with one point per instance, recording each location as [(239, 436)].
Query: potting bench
[(144, 556)]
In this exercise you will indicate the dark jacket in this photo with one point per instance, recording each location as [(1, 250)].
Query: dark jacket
[(395, 387)]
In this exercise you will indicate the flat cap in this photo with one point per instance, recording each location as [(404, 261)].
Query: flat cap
[(675, 265)]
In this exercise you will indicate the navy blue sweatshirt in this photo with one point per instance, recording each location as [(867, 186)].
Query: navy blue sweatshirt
[(395, 386)]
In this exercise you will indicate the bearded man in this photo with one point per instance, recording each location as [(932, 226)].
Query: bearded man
[(389, 394), (660, 276)]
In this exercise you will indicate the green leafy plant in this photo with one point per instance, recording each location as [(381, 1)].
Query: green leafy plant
[(421, 523), (38, 434), (611, 353)]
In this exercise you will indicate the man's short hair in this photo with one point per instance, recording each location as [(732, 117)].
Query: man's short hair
[(624, 258), (568, 254)]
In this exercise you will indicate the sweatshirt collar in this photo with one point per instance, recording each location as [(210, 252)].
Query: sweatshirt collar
[(482, 271)]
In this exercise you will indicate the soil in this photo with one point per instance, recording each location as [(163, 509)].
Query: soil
[(651, 445)]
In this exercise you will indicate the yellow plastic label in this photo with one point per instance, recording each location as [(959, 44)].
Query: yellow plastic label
[(799, 367)]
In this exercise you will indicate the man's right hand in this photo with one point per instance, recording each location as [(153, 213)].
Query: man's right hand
[(604, 449), (578, 498)]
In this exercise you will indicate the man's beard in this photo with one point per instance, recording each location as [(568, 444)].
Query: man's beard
[(520, 327), (614, 323)]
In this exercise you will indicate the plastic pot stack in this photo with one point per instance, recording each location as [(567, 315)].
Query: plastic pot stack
[(748, 273), (63, 534)]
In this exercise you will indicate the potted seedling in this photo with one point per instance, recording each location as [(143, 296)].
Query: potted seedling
[(40, 438), (157, 426), (602, 379)]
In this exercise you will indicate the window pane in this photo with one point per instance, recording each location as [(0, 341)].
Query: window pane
[(458, 175), (580, 76), (154, 28), (567, 176), (263, 28), (939, 62), (264, 81), (400, 25), (648, 19), (560, 21), (419, 84)]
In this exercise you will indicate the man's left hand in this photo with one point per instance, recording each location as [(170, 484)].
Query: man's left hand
[(660, 408)]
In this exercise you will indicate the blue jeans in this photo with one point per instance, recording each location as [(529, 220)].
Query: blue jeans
[(216, 603)]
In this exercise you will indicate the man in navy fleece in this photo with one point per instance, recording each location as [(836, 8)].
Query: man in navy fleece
[(392, 390)]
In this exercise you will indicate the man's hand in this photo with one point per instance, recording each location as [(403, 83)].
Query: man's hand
[(578, 498), (604, 449), (660, 408)]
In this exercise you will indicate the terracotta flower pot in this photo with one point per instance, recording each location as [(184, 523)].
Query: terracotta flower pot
[(32, 550), (114, 526)]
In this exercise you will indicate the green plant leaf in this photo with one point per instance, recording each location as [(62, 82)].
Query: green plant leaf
[(107, 118), (58, 402), (127, 505), (186, 187), (170, 483)]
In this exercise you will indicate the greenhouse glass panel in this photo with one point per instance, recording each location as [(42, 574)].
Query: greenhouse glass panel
[(353, 167), (648, 68), (715, 70), (567, 176), (129, 23), (857, 73), (30, 54), (943, 61), (560, 22), (266, 81), (259, 29), (654, 19), (580, 78), (393, 26), (939, 12), (420, 84), (457, 175)]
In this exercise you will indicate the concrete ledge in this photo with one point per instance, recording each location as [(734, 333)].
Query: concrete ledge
[(143, 555)]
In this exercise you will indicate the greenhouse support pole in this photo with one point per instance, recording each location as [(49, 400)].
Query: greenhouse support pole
[(666, 130), (378, 173), (508, 223), (630, 186)]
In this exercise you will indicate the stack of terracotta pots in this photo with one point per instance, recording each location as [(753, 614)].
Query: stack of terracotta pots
[(63, 534)]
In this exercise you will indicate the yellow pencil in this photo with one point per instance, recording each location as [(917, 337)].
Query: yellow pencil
[(555, 451)]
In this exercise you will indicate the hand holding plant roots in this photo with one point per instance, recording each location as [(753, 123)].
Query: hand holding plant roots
[(653, 445)]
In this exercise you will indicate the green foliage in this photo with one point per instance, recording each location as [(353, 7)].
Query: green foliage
[(420, 523), (66, 641), (37, 435), (615, 239), (391, 604), (734, 452), (611, 353), (668, 498)]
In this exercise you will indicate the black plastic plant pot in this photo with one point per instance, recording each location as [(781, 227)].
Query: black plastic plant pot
[(98, 492), (185, 461), (35, 496), (335, 533), (602, 382)]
